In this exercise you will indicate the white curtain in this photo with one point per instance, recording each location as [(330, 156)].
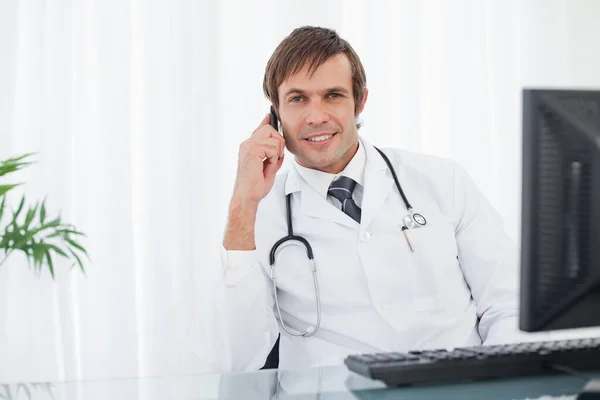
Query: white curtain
[(136, 109)]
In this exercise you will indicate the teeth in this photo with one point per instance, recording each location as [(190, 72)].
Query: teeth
[(320, 138)]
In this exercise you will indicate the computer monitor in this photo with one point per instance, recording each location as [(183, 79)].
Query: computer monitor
[(560, 253)]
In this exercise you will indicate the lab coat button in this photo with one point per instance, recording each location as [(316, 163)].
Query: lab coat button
[(365, 236)]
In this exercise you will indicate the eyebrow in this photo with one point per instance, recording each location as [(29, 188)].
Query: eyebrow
[(328, 90)]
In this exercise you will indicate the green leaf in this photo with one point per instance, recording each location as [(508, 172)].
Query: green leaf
[(29, 228), (2, 207), (6, 169), (50, 264), (43, 212), (21, 240), (29, 217), (78, 260), (76, 245), (57, 250), (65, 233), (52, 224), (14, 164), (38, 257), (5, 188), (72, 232), (13, 223), (54, 234), (17, 159), (21, 204), (13, 235), (32, 232)]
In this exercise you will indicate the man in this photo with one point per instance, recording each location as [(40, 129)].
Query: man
[(385, 283)]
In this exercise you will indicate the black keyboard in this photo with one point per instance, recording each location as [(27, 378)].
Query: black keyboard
[(478, 363)]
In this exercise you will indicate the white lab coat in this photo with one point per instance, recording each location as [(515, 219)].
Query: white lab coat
[(458, 288)]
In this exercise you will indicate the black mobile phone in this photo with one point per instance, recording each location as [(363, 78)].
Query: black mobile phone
[(274, 123)]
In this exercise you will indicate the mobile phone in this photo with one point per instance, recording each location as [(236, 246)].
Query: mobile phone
[(274, 123)]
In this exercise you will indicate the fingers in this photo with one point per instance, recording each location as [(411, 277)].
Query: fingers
[(269, 148), (261, 148), (266, 142), (272, 143), (275, 141), (270, 169)]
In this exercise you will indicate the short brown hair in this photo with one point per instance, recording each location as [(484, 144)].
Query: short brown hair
[(314, 45)]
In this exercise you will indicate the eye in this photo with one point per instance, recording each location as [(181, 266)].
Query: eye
[(334, 95), (295, 99)]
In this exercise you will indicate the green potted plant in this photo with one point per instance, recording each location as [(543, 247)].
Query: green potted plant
[(27, 229)]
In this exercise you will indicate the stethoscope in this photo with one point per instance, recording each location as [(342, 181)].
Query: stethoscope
[(412, 220)]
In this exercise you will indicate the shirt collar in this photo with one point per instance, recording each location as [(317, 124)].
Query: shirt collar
[(320, 181)]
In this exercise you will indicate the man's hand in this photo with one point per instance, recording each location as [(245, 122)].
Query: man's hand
[(259, 159)]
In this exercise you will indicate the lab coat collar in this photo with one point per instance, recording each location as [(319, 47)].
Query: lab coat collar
[(312, 204), (376, 188), (378, 183), (320, 181)]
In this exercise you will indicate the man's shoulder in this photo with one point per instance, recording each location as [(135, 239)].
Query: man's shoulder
[(421, 163)]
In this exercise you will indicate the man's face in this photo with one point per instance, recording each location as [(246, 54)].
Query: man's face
[(317, 115)]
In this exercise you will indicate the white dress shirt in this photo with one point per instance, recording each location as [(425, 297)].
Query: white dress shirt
[(320, 181), (458, 288)]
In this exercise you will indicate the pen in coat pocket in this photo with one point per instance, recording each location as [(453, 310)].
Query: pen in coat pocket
[(404, 229)]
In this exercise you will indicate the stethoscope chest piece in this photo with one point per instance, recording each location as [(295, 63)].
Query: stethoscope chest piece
[(419, 219), (414, 220)]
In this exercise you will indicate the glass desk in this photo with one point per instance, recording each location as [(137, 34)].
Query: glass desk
[(318, 383)]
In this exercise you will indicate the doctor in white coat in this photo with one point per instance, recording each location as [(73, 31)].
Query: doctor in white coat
[(385, 283)]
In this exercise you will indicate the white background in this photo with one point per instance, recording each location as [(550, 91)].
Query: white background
[(137, 108)]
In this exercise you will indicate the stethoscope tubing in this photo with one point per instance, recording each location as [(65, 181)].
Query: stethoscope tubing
[(311, 330)]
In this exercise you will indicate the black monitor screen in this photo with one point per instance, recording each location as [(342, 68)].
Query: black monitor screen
[(560, 253)]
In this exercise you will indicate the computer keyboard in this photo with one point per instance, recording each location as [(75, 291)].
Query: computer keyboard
[(478, 363)]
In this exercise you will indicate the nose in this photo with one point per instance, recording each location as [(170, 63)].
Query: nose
[(317, 114)]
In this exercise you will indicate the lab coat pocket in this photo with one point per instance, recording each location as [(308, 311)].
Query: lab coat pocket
[(432, 265)]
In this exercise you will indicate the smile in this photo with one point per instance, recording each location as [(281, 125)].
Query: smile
[(320, 138)]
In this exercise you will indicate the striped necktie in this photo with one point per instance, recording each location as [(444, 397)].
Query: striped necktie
[(342, 189)]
